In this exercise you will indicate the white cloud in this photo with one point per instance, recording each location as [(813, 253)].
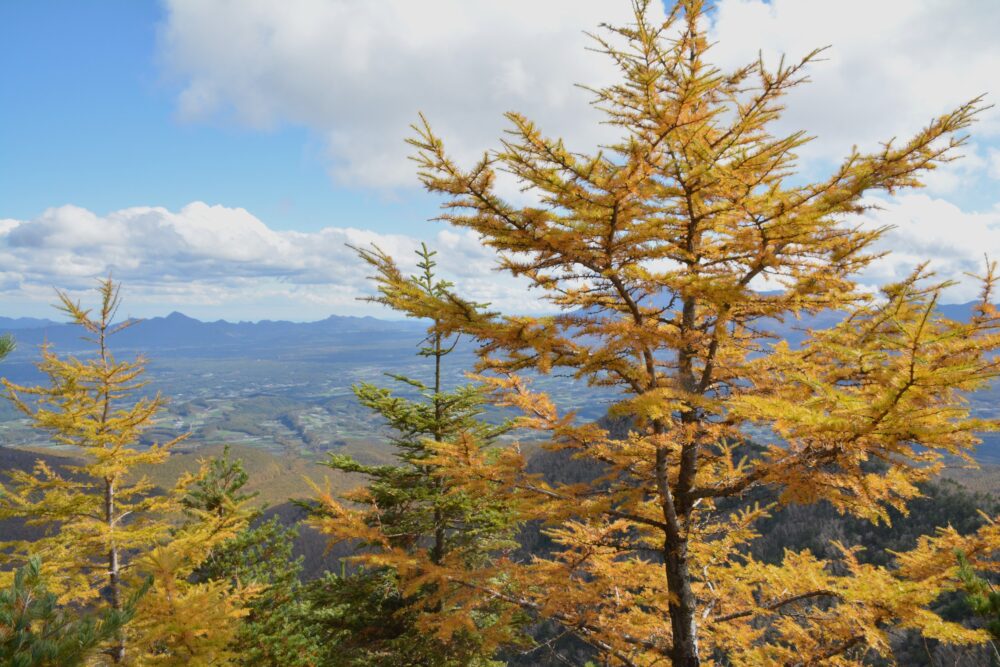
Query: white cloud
[(214, 261), (993, 163), (204, 258), (358, 72), (955, 177), (925, 227), (892, 65)]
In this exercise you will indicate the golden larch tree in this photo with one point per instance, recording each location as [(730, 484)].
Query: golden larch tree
[(654, 251), (107, 529)]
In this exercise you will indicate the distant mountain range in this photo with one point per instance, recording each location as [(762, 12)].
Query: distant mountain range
[(177, 332)]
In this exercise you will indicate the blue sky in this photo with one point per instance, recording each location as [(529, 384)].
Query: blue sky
[(217, 154), (90, 119)]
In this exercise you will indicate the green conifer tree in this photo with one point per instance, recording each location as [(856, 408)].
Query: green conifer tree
[(274, 632), (220, 488), (6, 345), (414, 528), (982, 597), (36, 631)]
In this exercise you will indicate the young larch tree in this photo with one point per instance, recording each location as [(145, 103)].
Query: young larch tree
[(107, 529), (670, 255), (86, 406)]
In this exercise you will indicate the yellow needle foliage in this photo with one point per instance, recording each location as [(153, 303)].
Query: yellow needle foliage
[(185, 623), (669, 257), (106, 528)]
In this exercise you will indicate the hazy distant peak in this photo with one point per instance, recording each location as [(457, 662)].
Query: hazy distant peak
[(177, 316)]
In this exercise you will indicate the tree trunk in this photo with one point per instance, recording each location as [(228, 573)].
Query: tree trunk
[(683, 625), (682, 603), (117, 651), (437, 551), (677, 508)]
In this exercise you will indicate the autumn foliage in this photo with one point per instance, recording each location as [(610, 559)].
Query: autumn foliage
[(106, 531), (669, 255), (420, 535)]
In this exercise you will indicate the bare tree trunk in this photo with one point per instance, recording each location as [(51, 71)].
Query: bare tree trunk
[(683, 625), (682, 604), (677, 509), (117, 651)]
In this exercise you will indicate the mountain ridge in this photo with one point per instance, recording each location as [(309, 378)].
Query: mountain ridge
[(177, 331)]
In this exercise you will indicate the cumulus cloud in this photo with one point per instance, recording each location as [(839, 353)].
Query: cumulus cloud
[(993, 163), (955, 176), (214, 261), (892, 65), (357, 72), (927, 228), (205, 257)]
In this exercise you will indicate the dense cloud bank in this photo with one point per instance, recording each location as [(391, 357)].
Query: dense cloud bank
[(228, 259), (217, 256)]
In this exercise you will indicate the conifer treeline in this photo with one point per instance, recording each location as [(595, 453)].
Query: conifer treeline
[(653, 252)]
